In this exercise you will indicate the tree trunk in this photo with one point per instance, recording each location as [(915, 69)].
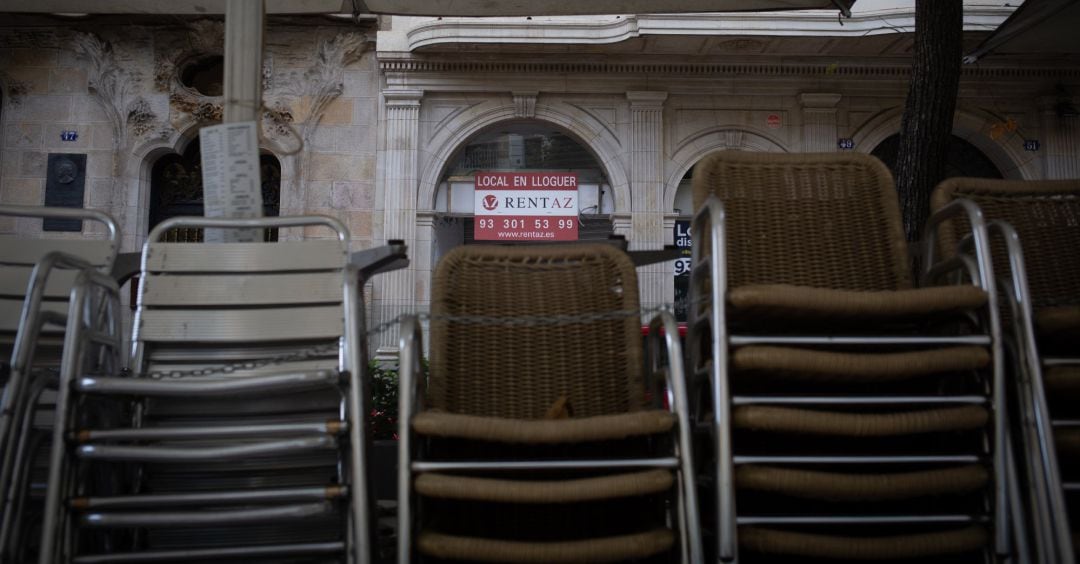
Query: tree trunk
[(928, 114)]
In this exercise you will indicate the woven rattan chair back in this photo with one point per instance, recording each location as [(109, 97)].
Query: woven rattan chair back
[(1046, 215), (821, 220), (517, 362)]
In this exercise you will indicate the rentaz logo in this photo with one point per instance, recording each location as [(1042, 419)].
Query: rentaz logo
[(490, 202)]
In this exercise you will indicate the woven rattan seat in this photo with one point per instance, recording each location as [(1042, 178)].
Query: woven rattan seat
[(836, 486), (1041, 307), (1067, 442), (549, 491), (478, 369), (610, 549), (855, 425), (784, 301), (1046, 214), (1063, 381), (540, 440), (541, 431), (829, 366), (840, 380), (827, 221), (789, 543), (1059, 323)]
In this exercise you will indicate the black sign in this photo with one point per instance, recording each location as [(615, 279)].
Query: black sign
[(1031, 144), (64, 187), (684, 243)]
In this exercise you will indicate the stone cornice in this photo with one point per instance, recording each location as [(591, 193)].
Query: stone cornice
[(601, 30), (532, 67)]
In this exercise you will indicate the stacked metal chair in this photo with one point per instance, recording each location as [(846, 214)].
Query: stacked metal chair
[(534, 438), (850, 414), (1041, 282), (57, 305), (239, 430)]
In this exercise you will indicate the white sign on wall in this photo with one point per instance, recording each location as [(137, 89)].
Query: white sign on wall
[(231, 183)]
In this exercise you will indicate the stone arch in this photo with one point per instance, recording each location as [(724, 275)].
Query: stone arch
[(694, 148), (970, 124), (141, 164), (457, 132)]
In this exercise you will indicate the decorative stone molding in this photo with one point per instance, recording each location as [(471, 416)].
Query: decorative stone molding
[(206, 36), (647, 190), (324, 81), (115, 88), (310, 92), (397, 290), (1061, 140), (188, 107), (733, 139), (819, 100), (778, 69), (525, 104), (819, 121)]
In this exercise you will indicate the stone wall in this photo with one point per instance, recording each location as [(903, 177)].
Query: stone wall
[(118, 88)]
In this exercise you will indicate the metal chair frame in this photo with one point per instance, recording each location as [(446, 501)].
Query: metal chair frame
[(25, 386), (1047, 511), (708, 316), (60, 527)]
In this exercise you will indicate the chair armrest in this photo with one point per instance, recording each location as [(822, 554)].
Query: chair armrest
[(125, 267), (642, 258), (392, 256), (977, 231)]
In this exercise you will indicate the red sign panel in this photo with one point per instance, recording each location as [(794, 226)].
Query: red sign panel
[(526, 206)]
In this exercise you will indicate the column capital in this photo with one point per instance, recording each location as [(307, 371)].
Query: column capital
[(819, 100), (403, 97), (646, 99)]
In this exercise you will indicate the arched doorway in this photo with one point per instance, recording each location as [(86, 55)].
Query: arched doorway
[(518, 147), (176, 190), (961, 158)]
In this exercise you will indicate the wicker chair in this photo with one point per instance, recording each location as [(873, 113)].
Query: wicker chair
[(533, 440), (852, 413), (37, 314), (239, 431), (1042, 284)]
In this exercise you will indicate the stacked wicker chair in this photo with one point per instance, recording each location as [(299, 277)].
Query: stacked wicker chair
[(1042, 284), (238, 433), (41, 325), (850, 415), (534, 438)]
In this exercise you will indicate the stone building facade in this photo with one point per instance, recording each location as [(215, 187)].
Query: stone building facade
[(380, 122)]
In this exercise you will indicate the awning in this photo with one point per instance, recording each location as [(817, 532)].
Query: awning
[(1045, 27), (425, 7)]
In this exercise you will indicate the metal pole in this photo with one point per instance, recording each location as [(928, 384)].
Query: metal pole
[(243, 59)]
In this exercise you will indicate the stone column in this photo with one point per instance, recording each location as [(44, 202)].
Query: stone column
[(647, 189), (1060, 141), (397, 289), (819, 121)]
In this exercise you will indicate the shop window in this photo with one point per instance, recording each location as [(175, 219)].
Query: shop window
[(176, 190), (519, 147)]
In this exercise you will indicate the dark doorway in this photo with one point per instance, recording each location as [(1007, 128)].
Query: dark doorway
[(176, 189), (962, 158)]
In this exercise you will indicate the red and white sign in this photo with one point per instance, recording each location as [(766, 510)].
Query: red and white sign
[(773, 121), (526, 206)]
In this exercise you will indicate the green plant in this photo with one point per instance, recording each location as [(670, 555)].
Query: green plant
[(383, 418), (384, 401)]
